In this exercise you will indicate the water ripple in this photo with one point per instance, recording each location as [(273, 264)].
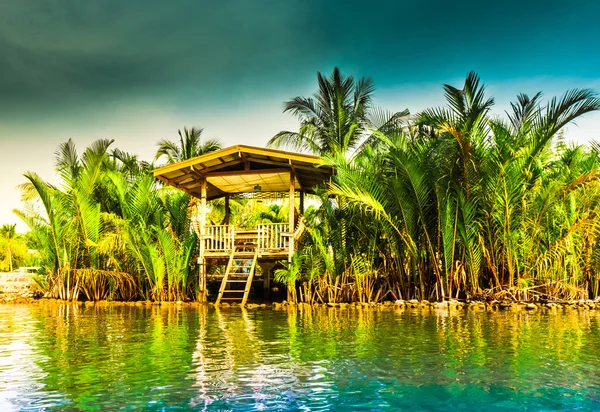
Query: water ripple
[(171, 358)]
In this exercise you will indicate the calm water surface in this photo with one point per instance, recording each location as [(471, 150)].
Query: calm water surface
[(170, 358)]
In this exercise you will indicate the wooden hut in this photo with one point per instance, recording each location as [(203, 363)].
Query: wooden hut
[(251, 172)]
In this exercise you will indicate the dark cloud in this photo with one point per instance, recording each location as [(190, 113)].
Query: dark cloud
[(55, 53), (54, 50)]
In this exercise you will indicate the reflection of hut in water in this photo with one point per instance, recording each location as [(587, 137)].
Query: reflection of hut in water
[(250, 172)]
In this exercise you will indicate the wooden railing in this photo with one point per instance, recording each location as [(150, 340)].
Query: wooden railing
[(221, 238), (270, 239)]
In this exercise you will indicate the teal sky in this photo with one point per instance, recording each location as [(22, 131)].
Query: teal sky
[(136, 71)]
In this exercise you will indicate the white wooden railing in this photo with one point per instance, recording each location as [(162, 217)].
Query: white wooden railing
[(221, 238), (218, 238), (270, 238)]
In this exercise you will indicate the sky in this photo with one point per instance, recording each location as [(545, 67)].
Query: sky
[(137, 71)]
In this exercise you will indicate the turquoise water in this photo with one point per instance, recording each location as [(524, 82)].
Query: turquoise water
[(181, 358)]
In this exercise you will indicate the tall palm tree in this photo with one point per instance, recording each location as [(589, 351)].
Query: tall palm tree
[(338, 118), (333, 119), (190, 145), (9, 233), (337, 121)]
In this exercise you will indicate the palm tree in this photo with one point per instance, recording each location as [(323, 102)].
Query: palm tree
[(190, 145), (9, 232), (334, 119), (339, 117), (481, 203), (73, 227), (337, 121)]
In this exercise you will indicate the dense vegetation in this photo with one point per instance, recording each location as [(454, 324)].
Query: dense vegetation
[(450, 202), (453, 202), (109, 231), (14, 249)]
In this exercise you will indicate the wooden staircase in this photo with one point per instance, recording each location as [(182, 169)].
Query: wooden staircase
[(239, 271)]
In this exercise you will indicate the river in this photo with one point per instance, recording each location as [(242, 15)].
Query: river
[(75, 357)]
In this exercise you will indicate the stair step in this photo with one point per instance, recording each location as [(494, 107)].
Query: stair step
[(241, 267)]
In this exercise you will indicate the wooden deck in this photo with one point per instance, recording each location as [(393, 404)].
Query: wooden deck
[(271, 239)]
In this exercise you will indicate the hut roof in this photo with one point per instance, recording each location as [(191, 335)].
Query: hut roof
[(241, 169)]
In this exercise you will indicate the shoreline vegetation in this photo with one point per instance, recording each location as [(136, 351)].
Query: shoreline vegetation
[(452, 204), (413, 305)]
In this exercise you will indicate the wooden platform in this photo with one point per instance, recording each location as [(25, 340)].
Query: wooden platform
[(270, 256)]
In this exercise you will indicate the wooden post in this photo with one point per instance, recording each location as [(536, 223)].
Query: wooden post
[(227, 209), (291, 217), (266, 268), (302, 203), (202, 259)]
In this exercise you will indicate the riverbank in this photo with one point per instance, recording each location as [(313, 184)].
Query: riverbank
[(456, 305), (416, 305)]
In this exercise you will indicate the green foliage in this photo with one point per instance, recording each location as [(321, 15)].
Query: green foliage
[(336, 118), (248, 213), (14, 250), (471, 203), (109, 231), (190, 145), (455, 202)]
